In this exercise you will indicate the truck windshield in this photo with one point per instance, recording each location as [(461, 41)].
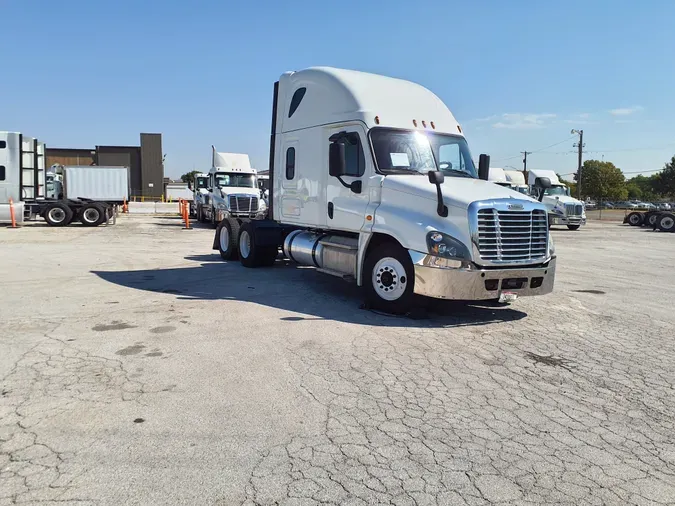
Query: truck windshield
[(235, 179), (202, 182), (406, 152), (555, 190)]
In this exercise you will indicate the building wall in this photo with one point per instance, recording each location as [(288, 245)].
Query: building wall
[(123, 156), (144, 162), (69, 156), (152, 168)]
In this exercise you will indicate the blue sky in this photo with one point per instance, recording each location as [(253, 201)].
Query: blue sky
[(518, 75)]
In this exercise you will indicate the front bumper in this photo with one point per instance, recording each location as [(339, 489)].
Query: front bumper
[(557, 219), (473, 283)]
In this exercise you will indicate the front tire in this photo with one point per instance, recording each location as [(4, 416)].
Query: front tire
[(573, 227), (389, 278), (228, 239)]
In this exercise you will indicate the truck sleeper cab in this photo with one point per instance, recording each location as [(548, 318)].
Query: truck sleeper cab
[(371, 179)]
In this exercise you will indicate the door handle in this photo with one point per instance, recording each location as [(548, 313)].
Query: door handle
[(330, 210)]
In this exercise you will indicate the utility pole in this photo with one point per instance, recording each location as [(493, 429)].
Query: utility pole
[(525, 153), (579, 145)]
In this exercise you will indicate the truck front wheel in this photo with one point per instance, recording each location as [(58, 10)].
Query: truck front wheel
[(389, 278), (58, 215)]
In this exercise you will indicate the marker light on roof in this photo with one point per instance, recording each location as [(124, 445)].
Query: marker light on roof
[(415, 122), (424, 123), (433, 126), (377, 120), (459, 128)]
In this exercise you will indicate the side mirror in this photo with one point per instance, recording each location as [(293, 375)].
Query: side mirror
[(436, 177), (542, 182), (484, 167), (336, 159)]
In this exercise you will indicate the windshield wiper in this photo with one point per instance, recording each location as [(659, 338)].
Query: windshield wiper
[(402, 170), (459, 172)]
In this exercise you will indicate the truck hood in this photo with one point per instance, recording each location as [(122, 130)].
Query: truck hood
[(235, 190), (563, 199), (457, 191)]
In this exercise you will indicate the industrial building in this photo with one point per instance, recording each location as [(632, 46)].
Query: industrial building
[(145, 162)]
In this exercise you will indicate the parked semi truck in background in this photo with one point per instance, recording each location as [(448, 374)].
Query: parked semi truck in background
[(371, 179), (232, 190), (563, 209), (199, 192), (60, 194), (517, 180)]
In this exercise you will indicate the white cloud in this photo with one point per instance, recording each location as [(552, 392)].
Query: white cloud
[(626, 111), (522, 121)]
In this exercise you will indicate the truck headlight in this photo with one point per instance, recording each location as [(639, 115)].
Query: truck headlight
[(443, 245)]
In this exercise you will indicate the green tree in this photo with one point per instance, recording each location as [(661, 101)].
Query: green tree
[(643, 187), (665, 180), (602, 181), (570, 184), (189, 177), (634, 190)]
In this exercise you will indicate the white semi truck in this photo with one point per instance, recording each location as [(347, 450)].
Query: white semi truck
[(517, 180), (232, 190), (60, 194), (563, 209), (372, 180), (200, 192), (498, 176)]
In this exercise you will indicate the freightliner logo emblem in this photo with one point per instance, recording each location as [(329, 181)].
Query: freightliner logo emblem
[(515, 206)]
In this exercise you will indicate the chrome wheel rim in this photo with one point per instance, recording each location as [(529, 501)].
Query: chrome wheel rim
[(224, 238), (667, 223), (635, 219), (245, 244), (57, 215), (91, 215), (389, 279)]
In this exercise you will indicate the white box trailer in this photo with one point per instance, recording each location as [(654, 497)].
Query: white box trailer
[(84, 193), (107, 184), (173, 192)]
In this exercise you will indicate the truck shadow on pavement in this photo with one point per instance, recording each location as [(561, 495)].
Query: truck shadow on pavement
[(302, 290)]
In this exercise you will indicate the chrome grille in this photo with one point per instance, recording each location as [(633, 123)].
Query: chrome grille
[(573, 209), (512, 236), (243, 204)]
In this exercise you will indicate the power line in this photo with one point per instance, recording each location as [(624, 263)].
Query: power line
[(535, 151)]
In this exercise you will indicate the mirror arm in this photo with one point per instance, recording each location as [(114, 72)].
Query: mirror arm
[(441, 209), (339, 178)]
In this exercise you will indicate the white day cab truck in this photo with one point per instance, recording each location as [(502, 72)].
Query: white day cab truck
[(508, 179), (562, 208), (371, 180), (199, 192), (232, 190), (59, 194)]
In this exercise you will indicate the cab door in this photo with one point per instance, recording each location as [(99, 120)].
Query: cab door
[(346, 210)]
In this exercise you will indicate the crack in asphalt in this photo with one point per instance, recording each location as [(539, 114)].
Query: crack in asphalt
[(51, 379), (432, 416)]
